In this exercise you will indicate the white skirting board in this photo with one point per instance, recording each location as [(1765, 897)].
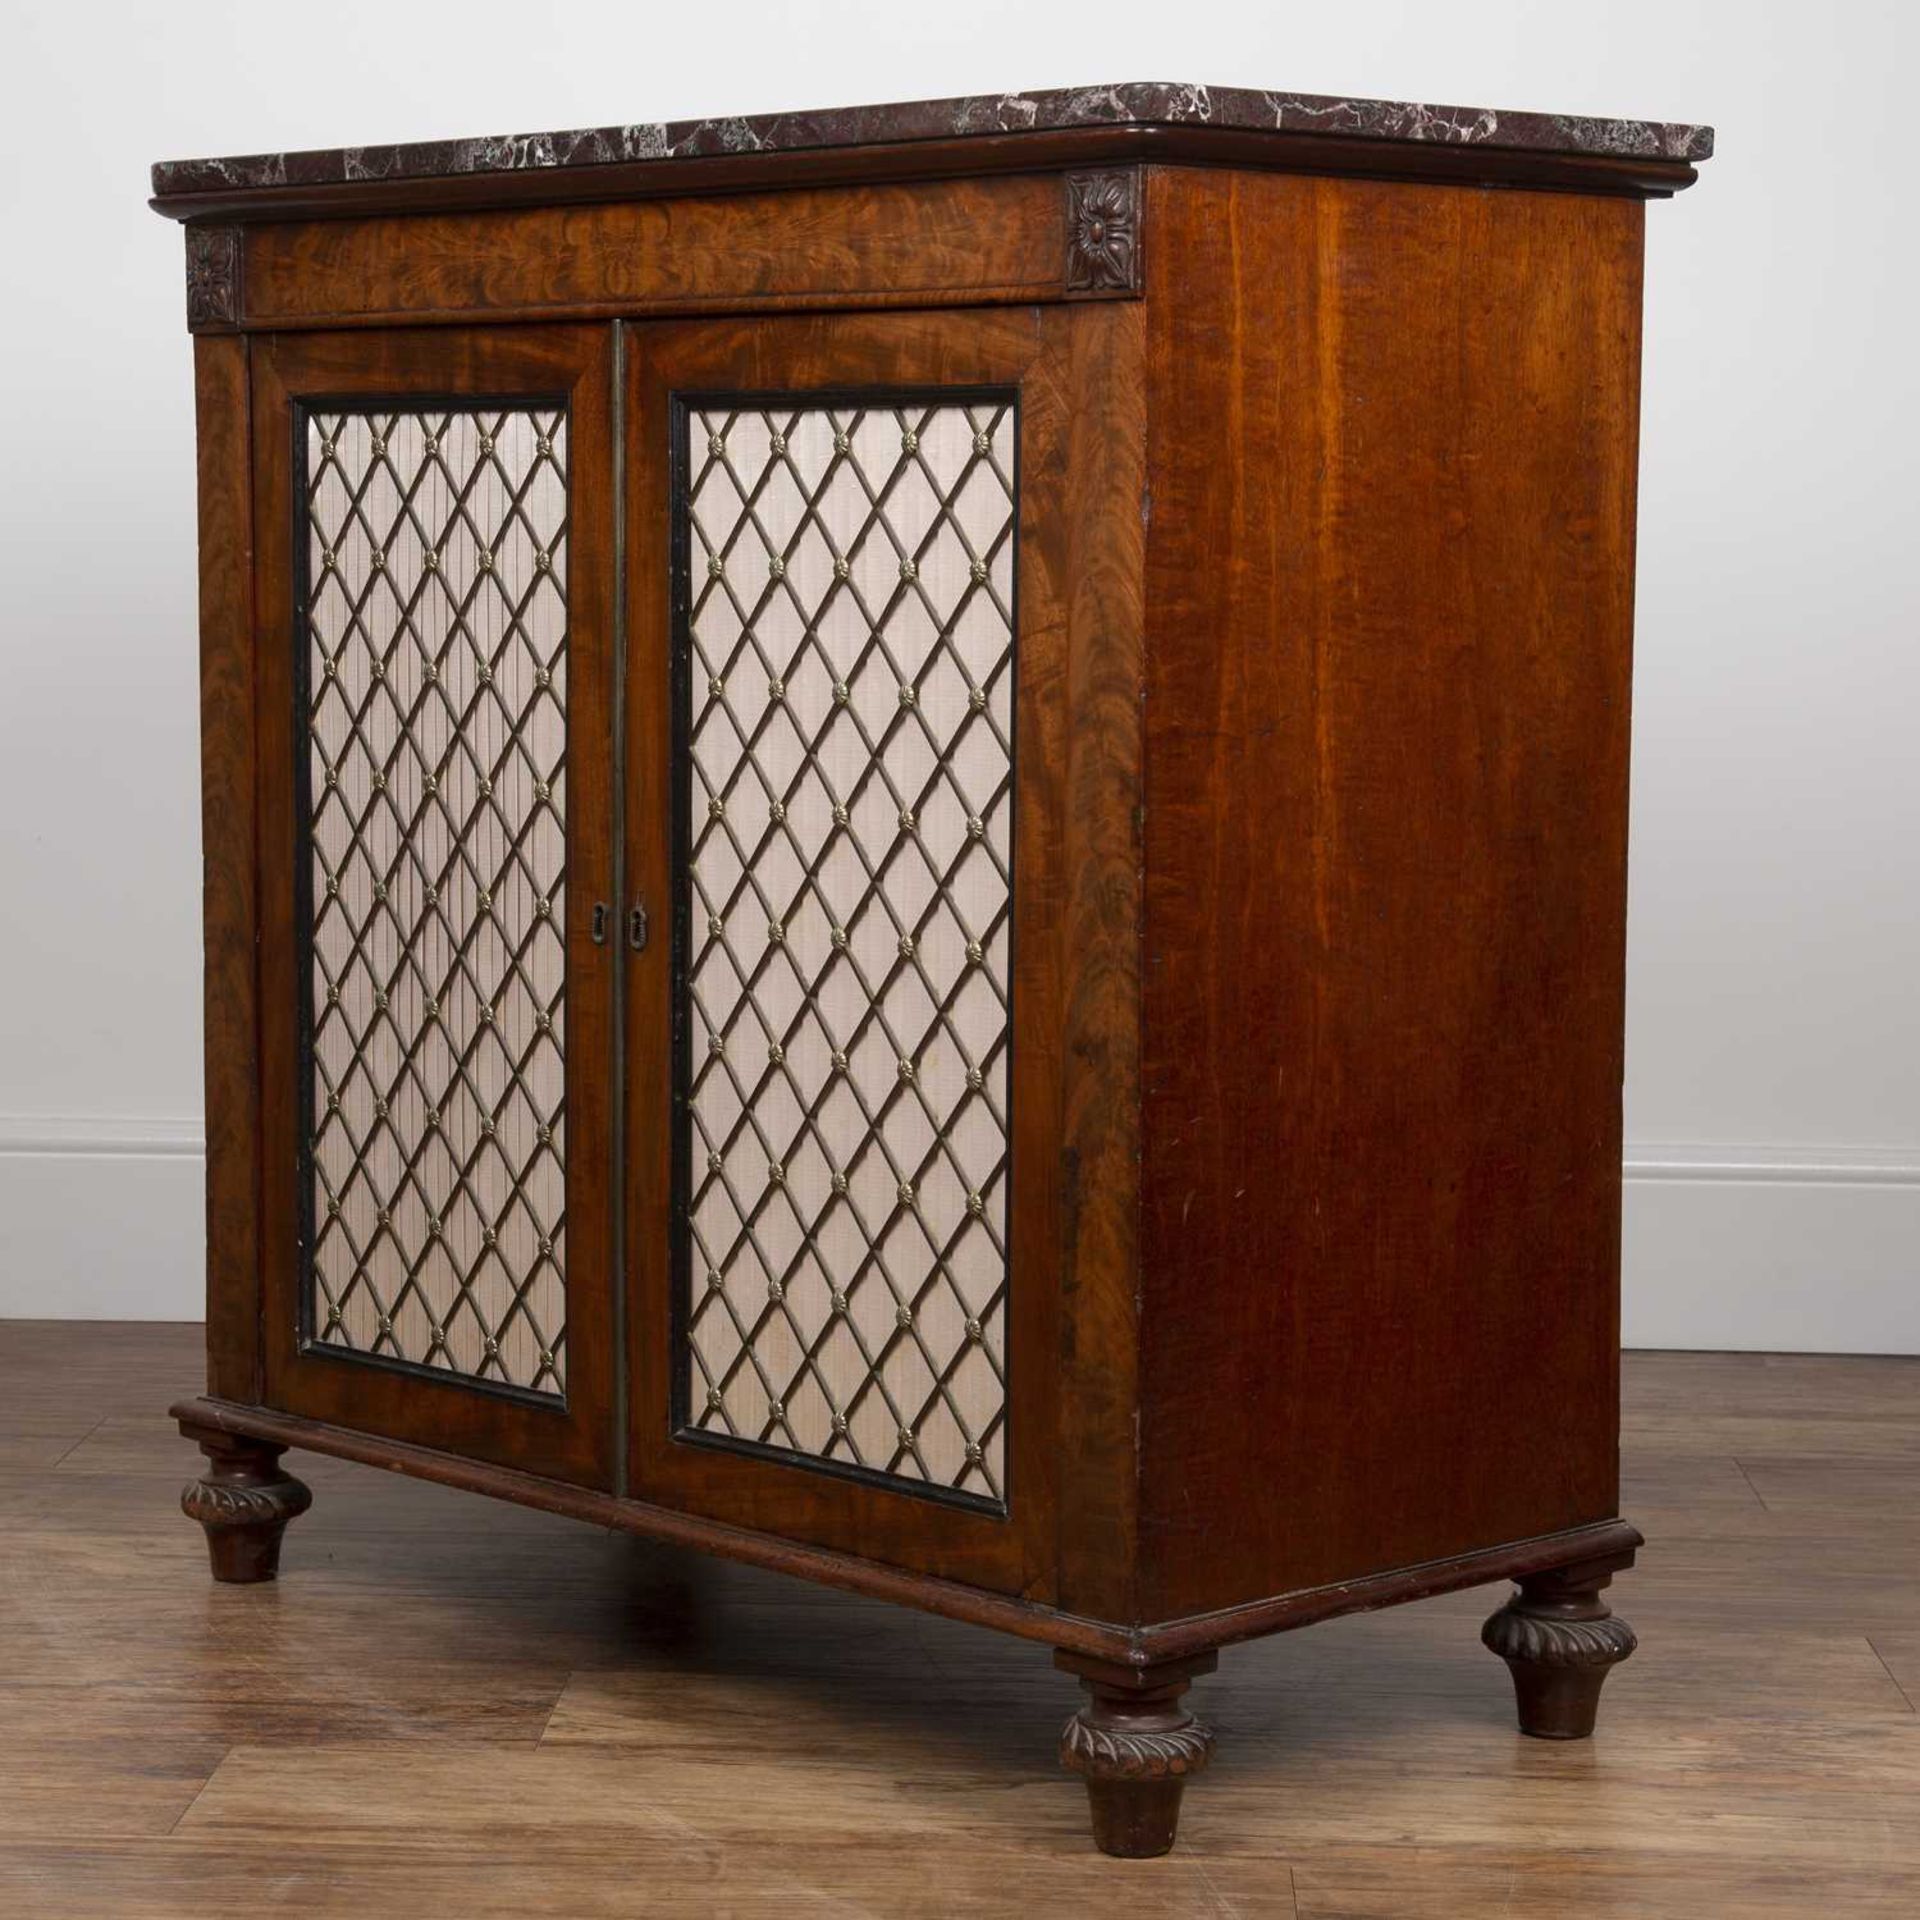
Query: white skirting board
[(102, 1219), (1765, 1250), (1772, 1250)]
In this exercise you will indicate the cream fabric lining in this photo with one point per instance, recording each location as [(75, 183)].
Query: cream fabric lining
[(437, 743), (849, 796)]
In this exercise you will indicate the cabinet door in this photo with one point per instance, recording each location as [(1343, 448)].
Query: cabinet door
[(848, 544), (434, 588)]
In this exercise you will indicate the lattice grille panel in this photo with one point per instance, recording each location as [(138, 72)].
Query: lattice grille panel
[(436, 844), (847, 908)]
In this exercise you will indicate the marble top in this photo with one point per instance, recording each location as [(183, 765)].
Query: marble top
[(1142, 103)]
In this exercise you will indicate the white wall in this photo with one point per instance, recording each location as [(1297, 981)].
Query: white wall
[(1773, 1099)]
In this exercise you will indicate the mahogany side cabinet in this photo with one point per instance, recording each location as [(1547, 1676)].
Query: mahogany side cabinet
[(915, 850)]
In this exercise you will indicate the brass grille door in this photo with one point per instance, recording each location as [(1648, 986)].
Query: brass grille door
[(833, 1323), (436, 798), (845, 906), (450, 763)]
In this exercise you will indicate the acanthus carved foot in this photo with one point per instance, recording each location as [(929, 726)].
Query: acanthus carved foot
[(243, 1502), (1559, 1640), (1135, 1746)]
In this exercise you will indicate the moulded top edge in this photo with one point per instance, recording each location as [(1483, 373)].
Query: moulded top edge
[(1238, 110)]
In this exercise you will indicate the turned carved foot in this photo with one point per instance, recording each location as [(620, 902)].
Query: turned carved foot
[(1559, 1638), (1135, 1746), (244, 1501)]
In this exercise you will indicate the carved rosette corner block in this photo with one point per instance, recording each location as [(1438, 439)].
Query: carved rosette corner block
[(1103, 231), (1559, 1640), (1136, 1746), (213, 278), (243, 1502)]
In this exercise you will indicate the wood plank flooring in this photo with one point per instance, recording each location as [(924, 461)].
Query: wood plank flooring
[(454, 1707)]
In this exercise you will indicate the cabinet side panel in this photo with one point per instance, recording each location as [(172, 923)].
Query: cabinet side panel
[(228, 857), (1389, 574)]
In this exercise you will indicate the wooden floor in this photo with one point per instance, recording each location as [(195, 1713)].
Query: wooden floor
[(448, 1708)]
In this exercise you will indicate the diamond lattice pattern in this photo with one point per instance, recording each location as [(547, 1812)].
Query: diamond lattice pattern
[(436, 662), (848, 902)]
